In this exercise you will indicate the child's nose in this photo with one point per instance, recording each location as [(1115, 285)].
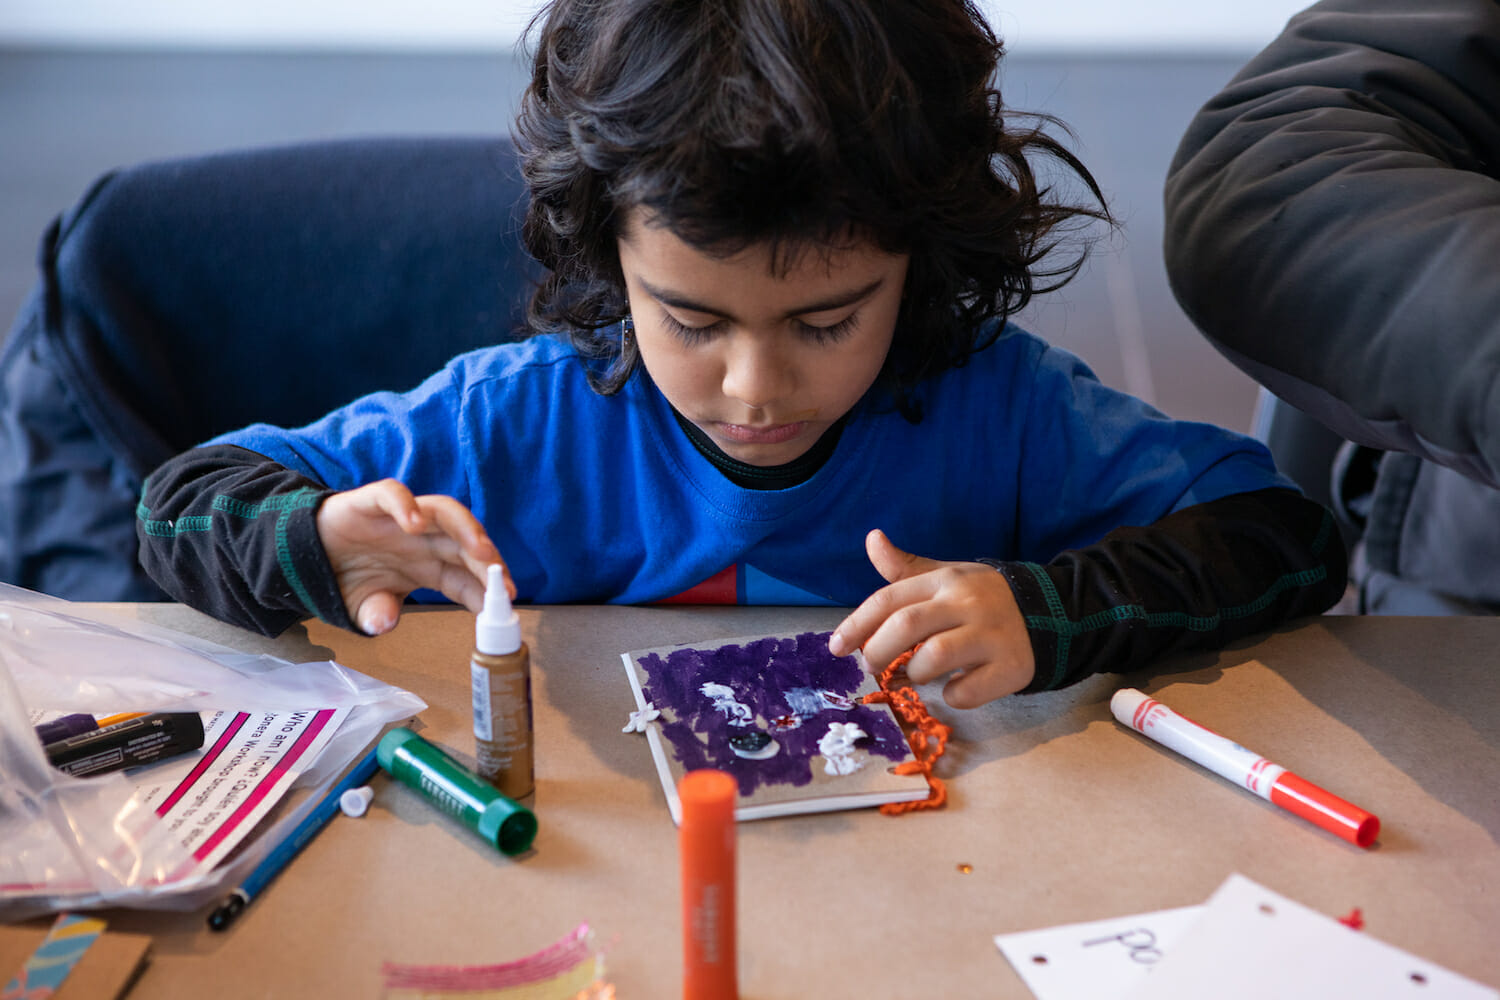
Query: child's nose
[(757, 374)]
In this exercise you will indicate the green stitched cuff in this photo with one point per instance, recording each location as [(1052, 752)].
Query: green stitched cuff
[(1042, 609), (304, 562)]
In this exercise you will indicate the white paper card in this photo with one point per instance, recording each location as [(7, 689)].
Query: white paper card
[(1250, 944), (1098, 960), (213, 798)]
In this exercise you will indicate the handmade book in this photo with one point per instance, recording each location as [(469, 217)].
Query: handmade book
[(788, 719)]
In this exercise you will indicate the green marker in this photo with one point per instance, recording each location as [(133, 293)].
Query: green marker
[(456, 790)]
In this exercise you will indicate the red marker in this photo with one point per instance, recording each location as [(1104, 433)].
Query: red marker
[(706, 842), (1230, 760)]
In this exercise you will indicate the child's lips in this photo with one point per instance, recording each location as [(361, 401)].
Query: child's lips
[(762, 433)]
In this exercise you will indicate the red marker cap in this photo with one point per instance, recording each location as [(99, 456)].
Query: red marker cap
[(1343, 819)]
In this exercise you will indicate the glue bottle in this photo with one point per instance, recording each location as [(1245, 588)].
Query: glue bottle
[(500, 675)]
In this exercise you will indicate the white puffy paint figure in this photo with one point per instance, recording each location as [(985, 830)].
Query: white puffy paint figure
[(837, 747), (738, 712)]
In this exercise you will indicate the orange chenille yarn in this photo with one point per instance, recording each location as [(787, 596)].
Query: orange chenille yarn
[(928, 737)]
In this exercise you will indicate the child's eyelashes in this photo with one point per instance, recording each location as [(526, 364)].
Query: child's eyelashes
[(694, 335), (829, 334)]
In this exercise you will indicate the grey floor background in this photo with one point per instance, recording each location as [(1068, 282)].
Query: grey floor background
[(67, 117)]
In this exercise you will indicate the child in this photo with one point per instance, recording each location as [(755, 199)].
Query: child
[(772, 366)]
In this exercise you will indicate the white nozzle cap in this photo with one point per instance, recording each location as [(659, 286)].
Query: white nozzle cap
[(355, 801), (497, 631)]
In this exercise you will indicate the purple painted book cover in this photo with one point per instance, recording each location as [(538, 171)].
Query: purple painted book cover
[(781, 714)]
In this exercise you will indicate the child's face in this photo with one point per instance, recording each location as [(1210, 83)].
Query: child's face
[(763, 362)]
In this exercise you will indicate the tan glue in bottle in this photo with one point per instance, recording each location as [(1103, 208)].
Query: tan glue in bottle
[(500, 676)]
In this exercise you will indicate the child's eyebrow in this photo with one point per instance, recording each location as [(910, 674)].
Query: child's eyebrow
[(839, 300)]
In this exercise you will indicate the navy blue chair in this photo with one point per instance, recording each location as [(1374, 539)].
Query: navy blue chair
[(184, 298)]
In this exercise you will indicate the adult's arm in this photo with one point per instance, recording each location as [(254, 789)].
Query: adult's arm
[(1333, 224)]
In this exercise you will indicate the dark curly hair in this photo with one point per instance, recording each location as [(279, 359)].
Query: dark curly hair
[(796, 123)]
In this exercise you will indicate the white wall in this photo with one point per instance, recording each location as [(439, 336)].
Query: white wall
[(1147, 24), (1027, 25)]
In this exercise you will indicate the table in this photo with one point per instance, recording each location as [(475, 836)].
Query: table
[(1056, 814)]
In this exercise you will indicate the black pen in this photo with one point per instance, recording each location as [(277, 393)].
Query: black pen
[(282, 854)]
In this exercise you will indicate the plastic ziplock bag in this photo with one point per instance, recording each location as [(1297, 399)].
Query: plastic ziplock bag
[(74, 843)]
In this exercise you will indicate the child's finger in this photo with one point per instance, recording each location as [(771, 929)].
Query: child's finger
[(912, 626), (476, 562), (982, 685), (378, 613), (453, 519), (483, 573), (467, 553), (460, 585), (945, 651), (391, 497), (855, 631), (910, 616), (912, 581), (893, 563)]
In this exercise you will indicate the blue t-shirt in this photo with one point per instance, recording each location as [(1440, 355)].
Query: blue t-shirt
[(1020, 454)]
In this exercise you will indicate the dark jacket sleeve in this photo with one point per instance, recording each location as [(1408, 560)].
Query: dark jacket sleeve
[(1333, 223), (234, 534), (1195, 580)]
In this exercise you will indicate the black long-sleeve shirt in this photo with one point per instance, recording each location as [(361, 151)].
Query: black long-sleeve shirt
[(233, 534)]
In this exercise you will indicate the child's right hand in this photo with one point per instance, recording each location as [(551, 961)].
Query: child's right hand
[(383, 543), (963, 616)]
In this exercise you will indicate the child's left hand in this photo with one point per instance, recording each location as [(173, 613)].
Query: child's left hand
[(964, 615)]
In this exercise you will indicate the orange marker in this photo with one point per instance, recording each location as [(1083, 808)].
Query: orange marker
[(706, 842)]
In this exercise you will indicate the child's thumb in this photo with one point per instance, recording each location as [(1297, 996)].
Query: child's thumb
[(893, 563)]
